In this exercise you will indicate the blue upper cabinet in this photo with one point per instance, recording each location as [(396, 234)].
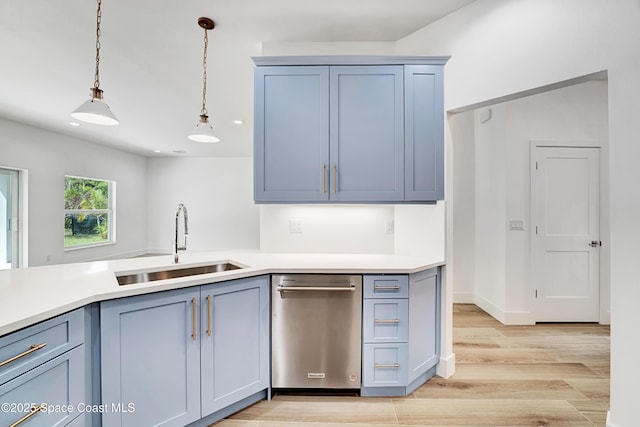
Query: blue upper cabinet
[(424, 133), (348, 130), (291, 134), (366, 133)]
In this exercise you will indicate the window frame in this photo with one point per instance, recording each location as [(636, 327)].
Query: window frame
[(110, 211)]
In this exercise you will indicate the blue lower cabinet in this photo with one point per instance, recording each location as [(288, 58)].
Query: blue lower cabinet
[(400, 329), (151, 359), (172, 358), (49, 395), (235, 341), (385, 365)]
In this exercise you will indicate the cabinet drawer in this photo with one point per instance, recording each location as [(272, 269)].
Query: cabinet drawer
[(385, 320), (384, 365), (59, 384), (386, 286), (30, 347)]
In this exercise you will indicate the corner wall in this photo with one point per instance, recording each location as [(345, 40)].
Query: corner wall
[(48, 157)]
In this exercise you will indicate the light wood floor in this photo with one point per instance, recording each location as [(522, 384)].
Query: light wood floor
[(543, 375)]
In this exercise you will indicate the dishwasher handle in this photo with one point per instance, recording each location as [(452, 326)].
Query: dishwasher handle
[(350, 288)]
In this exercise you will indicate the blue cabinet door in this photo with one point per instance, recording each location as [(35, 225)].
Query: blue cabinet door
[(57, 387), (235, 341), (150, 354), (424, 133), (291, 134), (424, 315), (366, 133)]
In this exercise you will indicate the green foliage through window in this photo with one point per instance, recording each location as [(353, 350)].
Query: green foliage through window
[(88, 211)]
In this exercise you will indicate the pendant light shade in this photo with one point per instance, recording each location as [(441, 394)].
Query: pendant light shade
[(95, 110), (203, 132)]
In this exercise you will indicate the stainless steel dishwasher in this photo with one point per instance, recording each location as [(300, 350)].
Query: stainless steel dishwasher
[(316, 324)]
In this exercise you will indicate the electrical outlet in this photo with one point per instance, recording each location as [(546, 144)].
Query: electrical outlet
[(389, 226), (295, 226)]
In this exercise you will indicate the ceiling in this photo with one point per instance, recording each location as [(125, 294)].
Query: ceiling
[(151, 61)]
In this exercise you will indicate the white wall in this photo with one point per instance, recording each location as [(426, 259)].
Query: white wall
[(327, 229), (420, 230), (573, 114), (462, 133), (490, 213), (49, 157), (417, 230), (218, 194), (501, 47)]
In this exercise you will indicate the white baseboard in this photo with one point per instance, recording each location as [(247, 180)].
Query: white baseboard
[(463, 298), (609, 422), (489, 307), (447, 366), (504, 317)]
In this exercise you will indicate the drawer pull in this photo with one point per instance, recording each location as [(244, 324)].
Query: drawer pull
[(386, 288), (194, 334), (208, 315), (386, 365), (335, 178), (34, 410), (387, 321), (34, 347), (324, 178)]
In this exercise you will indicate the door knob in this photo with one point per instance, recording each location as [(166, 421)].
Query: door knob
[(595, 243)]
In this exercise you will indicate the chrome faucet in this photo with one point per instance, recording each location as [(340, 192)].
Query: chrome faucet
[(177, 247)]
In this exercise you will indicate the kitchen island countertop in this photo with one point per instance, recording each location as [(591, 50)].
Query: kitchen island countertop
[(31, 295)]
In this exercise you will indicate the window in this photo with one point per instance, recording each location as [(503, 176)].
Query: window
[(88, 212)]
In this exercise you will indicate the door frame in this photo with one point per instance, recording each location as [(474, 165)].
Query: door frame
[(604, 221), (23, 215)]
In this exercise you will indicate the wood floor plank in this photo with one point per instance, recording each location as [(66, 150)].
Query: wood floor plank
[(440, 388), (489, 412), (522, 371), (502, 355), (322, 409)]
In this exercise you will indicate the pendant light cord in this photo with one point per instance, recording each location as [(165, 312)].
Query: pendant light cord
[(204, 74), (96, 82)]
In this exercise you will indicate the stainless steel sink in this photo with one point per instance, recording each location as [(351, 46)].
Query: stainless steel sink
[(150, 276)]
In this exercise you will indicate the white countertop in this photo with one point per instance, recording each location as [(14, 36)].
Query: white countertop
[(30, 295)]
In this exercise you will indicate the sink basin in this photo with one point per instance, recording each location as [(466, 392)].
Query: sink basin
[(150, 276)]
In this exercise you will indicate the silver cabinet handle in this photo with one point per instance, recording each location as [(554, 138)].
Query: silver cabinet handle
[(386, 365), (194, 334), (387, 321), (324, 178), (335, 178), (385, 288), (34, 410), (208, 315), (316, 288), (34, 347)]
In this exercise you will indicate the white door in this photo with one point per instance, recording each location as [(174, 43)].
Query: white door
[(565, 238)]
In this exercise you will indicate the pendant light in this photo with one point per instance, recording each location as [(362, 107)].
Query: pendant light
[(95, 110), (203, 132)]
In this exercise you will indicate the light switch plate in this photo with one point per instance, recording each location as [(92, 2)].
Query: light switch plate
[(516, 225)]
